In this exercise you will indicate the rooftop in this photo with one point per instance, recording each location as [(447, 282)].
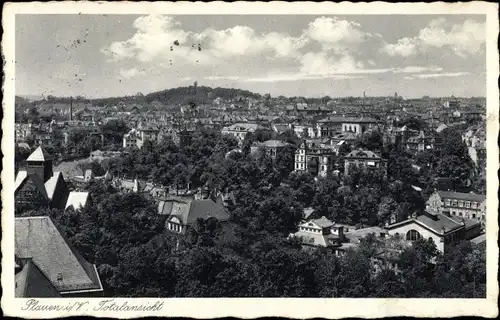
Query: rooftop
[(39, 239), (39, 155), (362, 154), (462, 196)]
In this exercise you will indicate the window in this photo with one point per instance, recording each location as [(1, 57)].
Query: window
[(473, 216), (460, 213), (454, 203), (413, 235), (460, 203), (467, 204)]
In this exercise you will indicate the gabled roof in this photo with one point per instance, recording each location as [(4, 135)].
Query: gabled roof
[(323, 222), (20, 177), (51, 184), (24, 177), (39, 155), (39, 239), (77, 200), (438, 223)]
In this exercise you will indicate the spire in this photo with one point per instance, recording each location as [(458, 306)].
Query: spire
[(39, 155)]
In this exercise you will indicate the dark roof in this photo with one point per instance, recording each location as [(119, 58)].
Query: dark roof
[(188, 210), (362, 154), (438, 223), (39, 239), (462, 196), (31, 282)]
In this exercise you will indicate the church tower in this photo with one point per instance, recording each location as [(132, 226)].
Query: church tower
[(39, 163)]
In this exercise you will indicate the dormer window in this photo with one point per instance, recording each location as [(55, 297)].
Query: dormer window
[(59, 276)]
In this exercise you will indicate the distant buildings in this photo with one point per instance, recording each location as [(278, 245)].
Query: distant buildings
[(364, 159), (48, 266), (315, 157), (23, 131), (137, 137), (272, 147), (332, 125), (420, 142), (240, 130)]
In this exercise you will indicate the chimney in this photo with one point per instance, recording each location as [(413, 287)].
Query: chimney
[(446, 212)]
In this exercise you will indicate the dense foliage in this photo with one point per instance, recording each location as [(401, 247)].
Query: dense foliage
[(250, 256)]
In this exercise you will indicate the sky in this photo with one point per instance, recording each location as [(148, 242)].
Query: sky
[(291, 55)]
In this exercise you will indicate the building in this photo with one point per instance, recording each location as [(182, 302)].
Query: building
[(315, 157), (23, 131), (240, 130), (443, 229), (420, 142), (364, 159), (330, 126), (272, 147), (182, 212), (319, 233), (47, 265), (38, 186), (463, 205)]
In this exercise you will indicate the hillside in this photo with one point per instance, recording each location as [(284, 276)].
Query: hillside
[(180, 96)]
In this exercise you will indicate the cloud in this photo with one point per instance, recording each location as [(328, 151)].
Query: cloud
[(131, 73), (464, 39), (404, 47), (333, 32), (328, 48), (440, 75), (160, 38)]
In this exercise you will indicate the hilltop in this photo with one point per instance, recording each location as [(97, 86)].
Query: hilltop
[(181, 96)]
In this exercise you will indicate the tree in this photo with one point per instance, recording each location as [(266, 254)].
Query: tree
[(417, 267), (386, 210), (302, 186), (326, 201)]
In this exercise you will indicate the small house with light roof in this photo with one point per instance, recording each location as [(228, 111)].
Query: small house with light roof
[(320, 232)]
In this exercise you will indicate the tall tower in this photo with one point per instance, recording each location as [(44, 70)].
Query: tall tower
[(71, 109), (39, 163)]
